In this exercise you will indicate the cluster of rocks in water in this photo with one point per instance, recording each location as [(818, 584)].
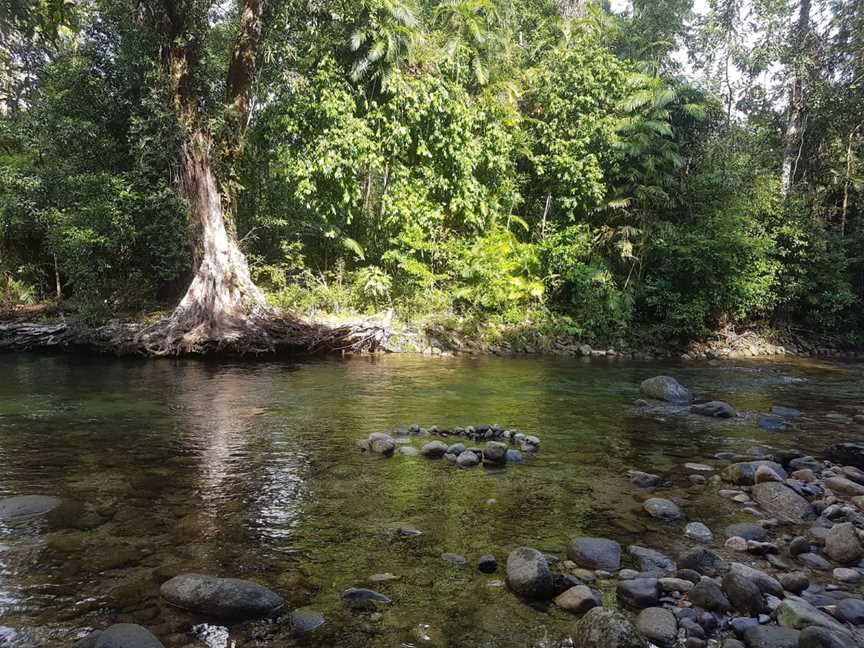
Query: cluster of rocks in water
[(501, 445), (791, 579)]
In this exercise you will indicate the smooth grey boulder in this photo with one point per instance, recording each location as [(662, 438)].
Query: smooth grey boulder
[(782, 502), (578, 599), (434, 450), (797, 613), (639, 593), (666, 388), (851, 610), (381, 443), (127, 635), (528, 574), (815, 637), (699, 532), (744, 594), (662, 509), (658, 625), (651, 561), (595, 553), (602, 628), (842, 544), (767, 584), (714, 409), (769, 636), (224, 598), (467, 459), (25, 506), (495, 453), (708, 595)]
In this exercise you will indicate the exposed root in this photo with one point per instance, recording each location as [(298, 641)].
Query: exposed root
[(257, 334)]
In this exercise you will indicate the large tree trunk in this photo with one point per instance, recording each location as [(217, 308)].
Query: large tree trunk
[(795, 126), (222, 303)]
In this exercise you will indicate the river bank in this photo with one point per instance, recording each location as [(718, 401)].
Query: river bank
[(384, 334)]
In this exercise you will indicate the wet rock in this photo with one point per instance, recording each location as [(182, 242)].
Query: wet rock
[(305, 620), (744, 595), (651, 561), (747, 531), (765, 473), (662, 509), (708, 596), (847, 575), (454, 559), (514, 457), (408, 450), (487, 564), (658, 625), (456, 449), (842, 544), (701, 560), (797, 613), (602, 628), (409, 532), (643, 479), (639, 593), (495, 453), (795, 582), (782, 502), (844, 486), (578, 599), (676, 585), (595, 553), (769, 636), (224, 598), (851, 610), (25, 506), (785, 412), (467, 459), (715, 409), (698, 532), (381, 443), (767, 584), (815, 637), (127, 635), (360, 598), (772, 423), (743, 473), (434, 450), (848, 454), (799, 545), (528, 574), (665, 388), (814, 561)]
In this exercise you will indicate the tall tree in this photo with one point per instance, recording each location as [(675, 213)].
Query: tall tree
[(222, 303), (796, 121)]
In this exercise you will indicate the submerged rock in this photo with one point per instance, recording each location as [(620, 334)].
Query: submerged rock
[(644, 480), (467, 459), (381, 443), (225, 598), (434, 450), (666, 388), (595, 553), (25, 506), (602, 628), (127, 635), (361, 598), (715, 409), (528, 574), (495, 453), (662, 509), (305, 620)]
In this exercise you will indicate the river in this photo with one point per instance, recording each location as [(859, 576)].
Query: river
[(250, 469)]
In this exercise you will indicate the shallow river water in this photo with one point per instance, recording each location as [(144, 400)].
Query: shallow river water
[(251, 470)]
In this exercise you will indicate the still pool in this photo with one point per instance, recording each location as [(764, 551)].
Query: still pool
[(251, 470)]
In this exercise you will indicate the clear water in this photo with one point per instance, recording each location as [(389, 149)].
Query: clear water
[(251, 470)]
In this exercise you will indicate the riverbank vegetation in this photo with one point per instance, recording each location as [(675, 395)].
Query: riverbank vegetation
[(560, 165)]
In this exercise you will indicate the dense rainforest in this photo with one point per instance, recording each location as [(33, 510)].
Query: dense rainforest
[(571, 166)]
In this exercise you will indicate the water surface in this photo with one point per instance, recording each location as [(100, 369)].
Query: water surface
[(250, 469)]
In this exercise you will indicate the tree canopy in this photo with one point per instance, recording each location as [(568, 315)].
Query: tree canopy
[(480, 162)]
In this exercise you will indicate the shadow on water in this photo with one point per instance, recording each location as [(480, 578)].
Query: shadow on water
[(251, 470)]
